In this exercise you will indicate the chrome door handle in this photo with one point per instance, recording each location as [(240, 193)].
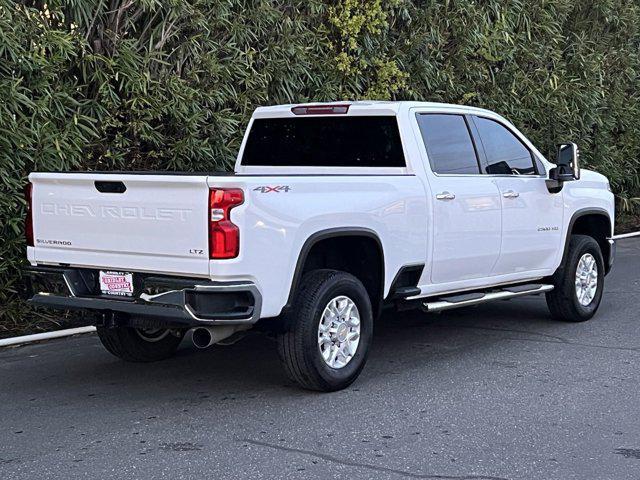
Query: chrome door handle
[(445, 196), (510, 194)]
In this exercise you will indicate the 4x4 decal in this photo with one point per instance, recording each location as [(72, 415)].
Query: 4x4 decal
[(269, 189)]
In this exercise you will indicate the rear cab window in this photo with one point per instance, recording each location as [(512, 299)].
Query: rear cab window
[(324, 141), (449, 144)]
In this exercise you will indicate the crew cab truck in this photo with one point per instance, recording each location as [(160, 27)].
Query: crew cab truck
[(332, 212)]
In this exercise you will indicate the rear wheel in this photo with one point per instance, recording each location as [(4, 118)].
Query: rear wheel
[(329, 332), (579, 283), (140, 344)]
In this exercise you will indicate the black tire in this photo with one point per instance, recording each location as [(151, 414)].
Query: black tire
[(129, 345), (298, 345), (563, 300)]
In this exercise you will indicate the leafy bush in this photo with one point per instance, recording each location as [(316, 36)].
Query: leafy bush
[(150, 84)]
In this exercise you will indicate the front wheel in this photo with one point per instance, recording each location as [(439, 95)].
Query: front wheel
[(329, 332), (579, 283), (140, 344)]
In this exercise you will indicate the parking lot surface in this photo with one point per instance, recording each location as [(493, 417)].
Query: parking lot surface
[(498, 391)]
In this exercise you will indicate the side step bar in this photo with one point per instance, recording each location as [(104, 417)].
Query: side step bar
[(464, 300)]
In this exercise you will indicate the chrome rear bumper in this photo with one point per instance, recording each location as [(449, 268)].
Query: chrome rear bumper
[(176, 301)]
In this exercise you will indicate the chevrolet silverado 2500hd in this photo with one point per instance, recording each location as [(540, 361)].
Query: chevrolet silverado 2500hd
[(333, 211)]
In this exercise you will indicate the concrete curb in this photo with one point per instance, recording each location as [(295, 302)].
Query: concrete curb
[(626, 235), (6, 342)]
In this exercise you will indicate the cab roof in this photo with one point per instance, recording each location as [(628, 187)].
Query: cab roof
[(360, 107)]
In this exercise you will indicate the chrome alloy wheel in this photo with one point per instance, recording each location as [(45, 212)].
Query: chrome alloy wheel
[(339, 332), (586, 279)]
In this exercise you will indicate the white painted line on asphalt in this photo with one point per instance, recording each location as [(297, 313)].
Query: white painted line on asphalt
[(5, 342), (626, 235)]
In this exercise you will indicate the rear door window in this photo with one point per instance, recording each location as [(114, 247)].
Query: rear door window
[(449, 144), (332, 141), (505, 153)]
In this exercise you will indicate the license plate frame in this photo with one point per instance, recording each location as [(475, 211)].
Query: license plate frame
[(115, 283)]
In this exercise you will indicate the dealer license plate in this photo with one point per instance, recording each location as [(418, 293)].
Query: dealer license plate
[(116, 283)]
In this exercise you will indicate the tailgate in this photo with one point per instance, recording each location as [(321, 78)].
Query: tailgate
[(141, 222)]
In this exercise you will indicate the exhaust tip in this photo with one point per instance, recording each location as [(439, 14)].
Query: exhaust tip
[(201, 337)]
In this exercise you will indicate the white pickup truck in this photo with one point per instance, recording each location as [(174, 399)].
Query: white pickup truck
[(333, 211)]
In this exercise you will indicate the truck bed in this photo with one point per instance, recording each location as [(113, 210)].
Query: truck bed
[(160, 223)]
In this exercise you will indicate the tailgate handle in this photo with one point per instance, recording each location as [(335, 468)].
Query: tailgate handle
[(110, 187)]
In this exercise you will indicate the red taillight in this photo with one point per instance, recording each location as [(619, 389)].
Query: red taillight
[(320, 110), (224, 236), (28, 221)]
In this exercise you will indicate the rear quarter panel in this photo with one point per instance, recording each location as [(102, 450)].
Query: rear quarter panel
[(275, 223)]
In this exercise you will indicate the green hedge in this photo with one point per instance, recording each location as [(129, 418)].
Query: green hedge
[(149, 84)]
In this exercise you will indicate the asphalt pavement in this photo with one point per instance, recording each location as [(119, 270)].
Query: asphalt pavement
[(498, 391)]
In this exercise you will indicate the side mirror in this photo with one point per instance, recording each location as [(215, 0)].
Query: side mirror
[(568, 163)]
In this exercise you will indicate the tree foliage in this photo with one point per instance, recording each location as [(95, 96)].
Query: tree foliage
[(170, 85)]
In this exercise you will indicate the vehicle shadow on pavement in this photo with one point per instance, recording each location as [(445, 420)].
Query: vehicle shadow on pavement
[(402, 342)]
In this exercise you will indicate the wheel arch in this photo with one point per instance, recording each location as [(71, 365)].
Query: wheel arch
[(335, 234), (596, 223)]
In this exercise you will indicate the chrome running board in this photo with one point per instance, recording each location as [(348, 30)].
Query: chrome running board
[(464, 300)]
